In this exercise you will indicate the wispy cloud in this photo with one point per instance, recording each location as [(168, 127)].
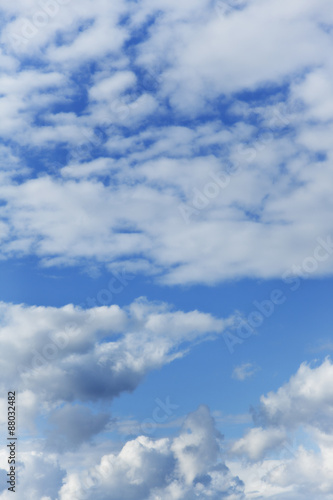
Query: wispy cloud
[(244, 371)]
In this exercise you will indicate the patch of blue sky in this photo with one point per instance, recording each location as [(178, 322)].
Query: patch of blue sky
[(321, 156), (269, 93)]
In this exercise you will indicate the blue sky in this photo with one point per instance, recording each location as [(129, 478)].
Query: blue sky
[(166, 251)]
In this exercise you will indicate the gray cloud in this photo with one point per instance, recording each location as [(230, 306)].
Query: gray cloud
[(72, 426)]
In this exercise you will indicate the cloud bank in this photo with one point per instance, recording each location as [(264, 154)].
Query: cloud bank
[(189, 142)]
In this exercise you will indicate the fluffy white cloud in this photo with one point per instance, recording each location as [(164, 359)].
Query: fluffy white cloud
[(127, 141), (41, 476), (186, 467), (191, 464), (228, 51), (307, 399), (56, 356), (258, 441), (302, 408), (261, 234), (242, 190), (71, 354)]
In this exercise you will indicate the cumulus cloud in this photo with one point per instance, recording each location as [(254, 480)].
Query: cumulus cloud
[(41, 476), (193, 464), (257, 442), (68, 353), (190, 141), (302, 407), (185, 467), (211, 48), (264, 463), (47, 217), (243, 192), (307, 399), (61, 360)]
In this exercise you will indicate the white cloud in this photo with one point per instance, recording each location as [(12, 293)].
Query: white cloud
[(261, 464), (257, 442), (57, 356), (111, 87), (41, 476), (302, 408), (307, 399), (186, 467), (138, 158), (247, 49), (135, 109), (244, 371), (143, 220), (71, 354)]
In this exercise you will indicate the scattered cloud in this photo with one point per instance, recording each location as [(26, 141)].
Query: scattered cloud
[(188, 141), (154, 133), (244, 371)]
